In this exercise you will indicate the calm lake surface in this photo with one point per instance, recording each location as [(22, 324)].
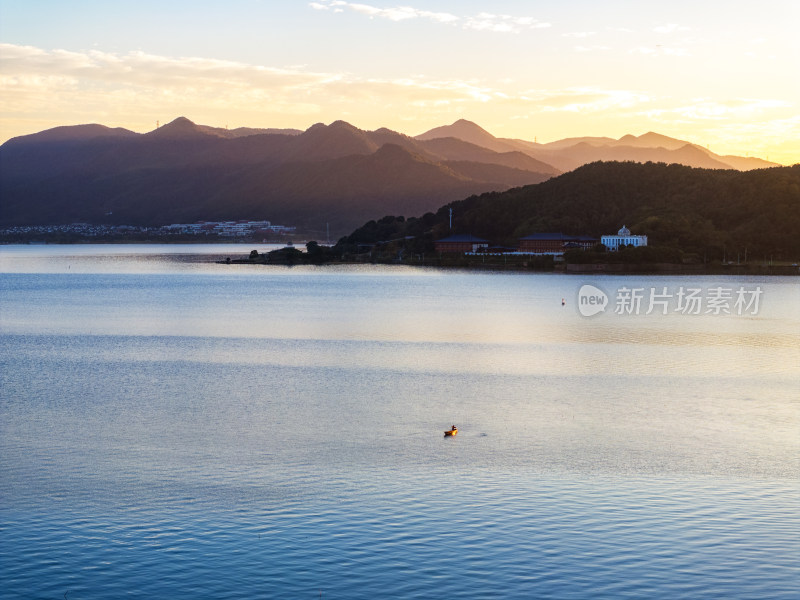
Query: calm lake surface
[(175, 428)]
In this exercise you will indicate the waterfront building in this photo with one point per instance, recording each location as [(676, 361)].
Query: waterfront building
[(554, 243), (623, 238), (461, 243)]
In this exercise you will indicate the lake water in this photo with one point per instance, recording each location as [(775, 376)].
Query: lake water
[(175, 428)]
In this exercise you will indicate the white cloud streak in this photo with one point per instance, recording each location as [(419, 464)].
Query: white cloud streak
[(143, 70), (32, 79), (707, 109), (480, 22), (400, 13), (123, 89), (92, 83), (588, 99)]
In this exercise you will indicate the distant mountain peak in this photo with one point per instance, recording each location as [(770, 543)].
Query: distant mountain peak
[(386, 130), (466, 123), (468, 132), (651, 139), (181, 123), (463, 126), (343, 125), (338, 125), (180, 128)]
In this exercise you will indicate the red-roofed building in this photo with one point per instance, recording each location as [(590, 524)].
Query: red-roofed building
[(460, 243), (554, 243)]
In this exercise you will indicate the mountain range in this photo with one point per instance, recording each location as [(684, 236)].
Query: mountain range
[(334, 174), (571, 153)]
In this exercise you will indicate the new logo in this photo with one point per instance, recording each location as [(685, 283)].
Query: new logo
[(591, 300)]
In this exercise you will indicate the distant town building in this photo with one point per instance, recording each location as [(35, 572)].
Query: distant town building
[(229, 228), (461, 243), (554, 243), (623, 238), (232, 229)]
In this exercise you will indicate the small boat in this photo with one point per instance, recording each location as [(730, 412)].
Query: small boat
[(452, 431)]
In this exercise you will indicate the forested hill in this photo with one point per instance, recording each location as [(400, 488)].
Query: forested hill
[(696, 210)]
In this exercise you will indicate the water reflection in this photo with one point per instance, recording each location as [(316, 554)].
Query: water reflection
[(187, 429)]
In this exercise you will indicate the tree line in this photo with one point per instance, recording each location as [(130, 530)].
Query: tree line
[(706, 213)]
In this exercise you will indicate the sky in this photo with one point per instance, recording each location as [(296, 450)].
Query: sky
[(721, 74)]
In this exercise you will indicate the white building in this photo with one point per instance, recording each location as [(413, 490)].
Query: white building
[(623, 238)]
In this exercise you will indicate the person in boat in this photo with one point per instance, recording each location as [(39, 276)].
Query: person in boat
[(453, 428)]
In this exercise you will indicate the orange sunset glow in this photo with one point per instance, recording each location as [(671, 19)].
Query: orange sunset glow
[(719, 75)]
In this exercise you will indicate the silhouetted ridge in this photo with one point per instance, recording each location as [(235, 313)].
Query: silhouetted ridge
[(73, 133), (337, 173)]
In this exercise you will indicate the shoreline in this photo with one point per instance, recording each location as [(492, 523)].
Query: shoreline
[(563, 269), (499, 263)]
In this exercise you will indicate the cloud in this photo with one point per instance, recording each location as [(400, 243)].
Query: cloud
[(90, 85), (480, 22), (139, 69), (55, 87), (37, 84), (776, 136), (587, 99), (660, 50), (502, 23), (708, 109), (400, 13), (670, 28), (744, 127)]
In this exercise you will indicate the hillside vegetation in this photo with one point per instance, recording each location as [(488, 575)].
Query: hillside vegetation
[(704, 212)]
